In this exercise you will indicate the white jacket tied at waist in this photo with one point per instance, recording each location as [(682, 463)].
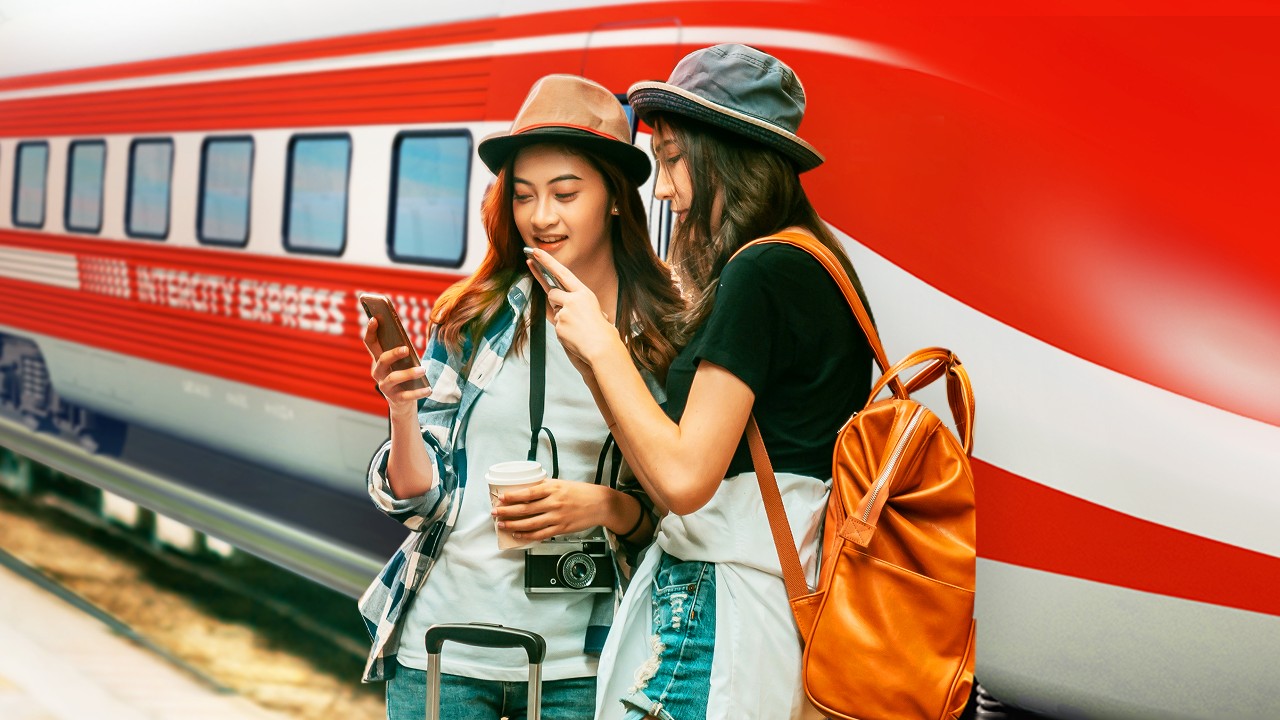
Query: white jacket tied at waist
[(755, 672)]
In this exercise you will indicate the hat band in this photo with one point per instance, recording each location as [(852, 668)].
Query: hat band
[(593, 131), (769, 126)]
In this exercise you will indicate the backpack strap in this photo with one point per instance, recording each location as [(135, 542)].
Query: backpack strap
[(779, 526), (783, 540)]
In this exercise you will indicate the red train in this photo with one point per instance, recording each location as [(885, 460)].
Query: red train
[(1081, 206)]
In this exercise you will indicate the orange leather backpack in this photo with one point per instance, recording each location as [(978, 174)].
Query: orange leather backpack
[(889, 633)]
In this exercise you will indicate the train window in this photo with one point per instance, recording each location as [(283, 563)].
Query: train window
[(660, 226), (86, 163), (315, 217), (225, 182), (632, 121), (29, 176), (428, 220), (150, 173)]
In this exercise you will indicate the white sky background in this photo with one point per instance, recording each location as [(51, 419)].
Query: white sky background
[(45, 35)]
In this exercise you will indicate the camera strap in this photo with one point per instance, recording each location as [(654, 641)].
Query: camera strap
[(615, 466), (538, 379), (538, 396)]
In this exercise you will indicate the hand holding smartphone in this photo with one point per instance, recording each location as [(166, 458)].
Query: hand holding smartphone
[(542, 269), (391, 334)]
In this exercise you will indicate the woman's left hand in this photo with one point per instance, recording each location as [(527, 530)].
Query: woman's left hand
[(552, 507), (581, 325)]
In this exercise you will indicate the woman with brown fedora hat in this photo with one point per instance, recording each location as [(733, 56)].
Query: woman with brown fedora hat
[(500, 387), (706, 630)]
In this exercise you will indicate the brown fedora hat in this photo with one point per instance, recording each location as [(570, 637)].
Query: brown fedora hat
[(572, 110), (737, 88)]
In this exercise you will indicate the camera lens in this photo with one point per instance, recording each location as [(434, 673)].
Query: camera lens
[(577, 569)]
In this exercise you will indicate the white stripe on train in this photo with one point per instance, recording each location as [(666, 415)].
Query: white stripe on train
[(1117, 652), (690, 36), (58, 269), (1110, 439)]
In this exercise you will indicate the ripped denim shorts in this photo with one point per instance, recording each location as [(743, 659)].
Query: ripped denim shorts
[(676, 681)]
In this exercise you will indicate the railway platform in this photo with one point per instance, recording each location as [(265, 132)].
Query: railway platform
[(60, 662)]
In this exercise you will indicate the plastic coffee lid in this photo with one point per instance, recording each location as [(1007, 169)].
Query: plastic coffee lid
[(515, 472)]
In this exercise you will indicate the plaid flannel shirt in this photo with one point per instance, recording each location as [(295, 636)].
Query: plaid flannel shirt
[(443, 417)]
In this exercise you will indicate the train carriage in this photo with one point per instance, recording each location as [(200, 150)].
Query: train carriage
[(1080, 206)]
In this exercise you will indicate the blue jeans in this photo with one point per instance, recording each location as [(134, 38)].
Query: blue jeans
[(676, 684), (464, 698)]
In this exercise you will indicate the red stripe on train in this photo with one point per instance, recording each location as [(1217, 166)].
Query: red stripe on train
[(1024, 523), (1119, 221), (293, 267), (454, 91), (284, 324)]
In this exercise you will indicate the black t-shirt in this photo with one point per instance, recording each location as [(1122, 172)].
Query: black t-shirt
[(780, 324)]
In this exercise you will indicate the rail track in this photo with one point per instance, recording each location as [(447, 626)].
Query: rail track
[(238, 625)]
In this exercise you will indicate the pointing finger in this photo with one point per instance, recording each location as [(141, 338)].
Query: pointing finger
[(567, 279)]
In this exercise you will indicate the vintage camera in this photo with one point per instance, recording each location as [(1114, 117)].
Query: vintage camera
[(569, 565)]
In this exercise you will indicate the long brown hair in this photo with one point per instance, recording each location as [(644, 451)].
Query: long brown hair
[(762, 195), (647, 296)]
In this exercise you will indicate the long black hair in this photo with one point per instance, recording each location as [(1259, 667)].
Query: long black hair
[(760, 195)]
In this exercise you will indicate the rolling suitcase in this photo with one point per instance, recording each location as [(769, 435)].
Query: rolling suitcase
[(484, 635)]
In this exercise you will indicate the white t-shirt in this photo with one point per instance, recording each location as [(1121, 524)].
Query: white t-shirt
[(474, 581)]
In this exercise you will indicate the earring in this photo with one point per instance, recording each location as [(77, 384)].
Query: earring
[(615, 209)]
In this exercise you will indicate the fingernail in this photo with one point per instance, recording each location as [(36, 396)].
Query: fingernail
[(501, 525)]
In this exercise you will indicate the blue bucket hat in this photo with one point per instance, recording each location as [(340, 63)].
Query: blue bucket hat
[(739, 89)]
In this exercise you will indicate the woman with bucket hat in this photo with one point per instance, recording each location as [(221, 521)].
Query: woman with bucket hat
[(705, 630), (566, 182)]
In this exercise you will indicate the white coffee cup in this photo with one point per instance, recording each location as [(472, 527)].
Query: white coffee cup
[(514, 475)]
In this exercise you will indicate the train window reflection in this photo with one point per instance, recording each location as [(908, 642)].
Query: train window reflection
[(225, 182), (315, 218), (429, 198), (30, 172), (86, 163), (150, 174), (632, 121)]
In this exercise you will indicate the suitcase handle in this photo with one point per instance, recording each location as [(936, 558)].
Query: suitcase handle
[(487, 635)]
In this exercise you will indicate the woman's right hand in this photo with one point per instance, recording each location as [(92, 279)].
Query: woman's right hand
[(394, 384), (582, 327)]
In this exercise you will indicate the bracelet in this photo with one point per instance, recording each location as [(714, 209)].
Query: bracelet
[(636, 526)]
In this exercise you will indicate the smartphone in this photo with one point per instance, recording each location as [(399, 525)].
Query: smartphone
[(546, 274), (391, 333)]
